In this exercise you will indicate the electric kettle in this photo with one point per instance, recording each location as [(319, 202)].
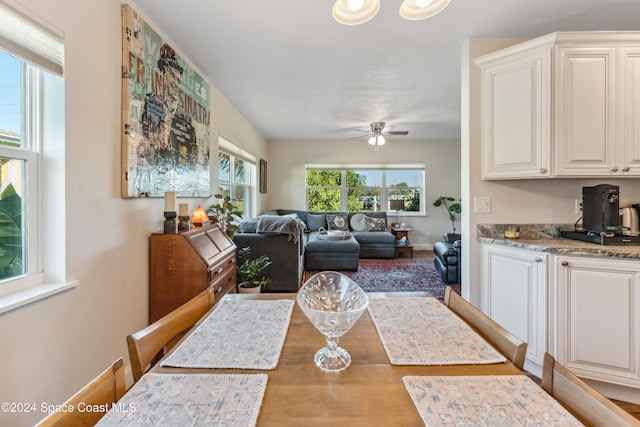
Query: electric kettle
[(629, 221)]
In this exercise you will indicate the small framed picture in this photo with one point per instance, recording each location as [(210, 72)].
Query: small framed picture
[(263, 176)]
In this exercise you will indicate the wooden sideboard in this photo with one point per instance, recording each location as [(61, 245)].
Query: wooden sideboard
[(183, 265)]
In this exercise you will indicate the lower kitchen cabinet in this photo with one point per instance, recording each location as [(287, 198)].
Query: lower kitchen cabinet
[(514, 294), (598, 318)]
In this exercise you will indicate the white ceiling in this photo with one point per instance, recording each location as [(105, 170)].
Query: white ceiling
[(296, 74)]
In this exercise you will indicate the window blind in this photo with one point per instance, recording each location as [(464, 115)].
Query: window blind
[(28, 38)]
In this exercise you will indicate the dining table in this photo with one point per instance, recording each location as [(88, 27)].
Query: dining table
[(369, 392)]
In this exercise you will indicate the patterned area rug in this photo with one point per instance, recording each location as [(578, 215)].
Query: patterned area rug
[(396, 275)]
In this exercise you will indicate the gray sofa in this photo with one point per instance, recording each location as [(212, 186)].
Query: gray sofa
[(311, 251)]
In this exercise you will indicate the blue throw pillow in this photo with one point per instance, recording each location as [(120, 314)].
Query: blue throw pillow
[(314, 222)]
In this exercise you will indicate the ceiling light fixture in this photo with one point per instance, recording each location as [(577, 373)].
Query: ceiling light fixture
[(414, 10), (355, 12)]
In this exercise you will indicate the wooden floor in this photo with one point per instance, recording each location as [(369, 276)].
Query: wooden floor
[(631, 408)]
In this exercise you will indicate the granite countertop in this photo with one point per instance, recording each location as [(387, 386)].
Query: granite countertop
[(543, 238)]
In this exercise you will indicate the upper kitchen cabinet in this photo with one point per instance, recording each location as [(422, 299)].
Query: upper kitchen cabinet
[(562, 105)]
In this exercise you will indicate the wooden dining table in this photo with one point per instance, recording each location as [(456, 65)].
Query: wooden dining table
[(370, 392)]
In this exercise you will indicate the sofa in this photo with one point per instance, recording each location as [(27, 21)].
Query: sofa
[(311, 250), (447, 258)]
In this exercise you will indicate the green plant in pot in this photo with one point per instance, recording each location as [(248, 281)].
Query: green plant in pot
[(225, 213), (250, 272), (451, 206)]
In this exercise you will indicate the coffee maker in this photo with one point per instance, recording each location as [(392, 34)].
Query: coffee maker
[(601, 208)]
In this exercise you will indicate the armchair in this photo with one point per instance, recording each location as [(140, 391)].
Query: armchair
[(447, 258)]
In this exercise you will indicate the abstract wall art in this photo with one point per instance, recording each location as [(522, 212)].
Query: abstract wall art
[(165, 117)]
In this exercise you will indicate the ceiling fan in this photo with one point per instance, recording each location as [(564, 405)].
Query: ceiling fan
[(378, 132)]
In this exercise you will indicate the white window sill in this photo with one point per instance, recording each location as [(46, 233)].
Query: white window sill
[(21, 297)]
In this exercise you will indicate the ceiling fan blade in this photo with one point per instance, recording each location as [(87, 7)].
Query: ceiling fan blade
[(361, 136), (400, 132)]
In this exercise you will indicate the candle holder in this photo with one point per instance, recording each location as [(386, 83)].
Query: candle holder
[(170, 222), (185, 222)]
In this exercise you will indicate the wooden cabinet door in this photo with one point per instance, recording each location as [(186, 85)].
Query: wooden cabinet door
[(514, 294), (585, 95), (629, 94), (515, 117), (598, 318)]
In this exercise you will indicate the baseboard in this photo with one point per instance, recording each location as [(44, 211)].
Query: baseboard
[(423, 246)]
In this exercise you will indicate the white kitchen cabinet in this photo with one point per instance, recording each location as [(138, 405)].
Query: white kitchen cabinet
[(563, 105), (514, 294), (598, 318)]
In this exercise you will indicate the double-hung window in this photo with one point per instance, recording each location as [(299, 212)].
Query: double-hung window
[(31, 139), (237, 176)]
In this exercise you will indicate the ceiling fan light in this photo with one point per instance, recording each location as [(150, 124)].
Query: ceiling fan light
[(372, 140), (357, 4), (413, 9), (344, 13), (380, 139)]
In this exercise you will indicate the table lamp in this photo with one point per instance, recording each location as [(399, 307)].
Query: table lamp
[(396, 205)]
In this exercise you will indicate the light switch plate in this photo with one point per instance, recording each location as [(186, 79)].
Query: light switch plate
[(482, 205)]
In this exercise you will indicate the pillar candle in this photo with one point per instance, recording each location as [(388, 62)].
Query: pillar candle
[(170, 201), (183, 209)]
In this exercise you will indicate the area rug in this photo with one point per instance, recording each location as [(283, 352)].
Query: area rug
[(396, 275)]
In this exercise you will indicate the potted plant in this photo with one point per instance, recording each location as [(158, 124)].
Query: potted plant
[(225, 213), (452, 208), (249, 272)]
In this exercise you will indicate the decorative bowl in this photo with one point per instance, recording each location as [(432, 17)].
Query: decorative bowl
[(333, 303)]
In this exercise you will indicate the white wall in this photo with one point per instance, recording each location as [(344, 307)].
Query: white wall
[(512, 201), (286, 173), (53, 347)]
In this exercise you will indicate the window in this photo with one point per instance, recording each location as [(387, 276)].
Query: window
[(237, 176), (31, 140), (363, 189)]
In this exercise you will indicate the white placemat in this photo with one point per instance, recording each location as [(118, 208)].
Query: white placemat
[(423, 331), (492, 401), (190, 400), (246, 334)]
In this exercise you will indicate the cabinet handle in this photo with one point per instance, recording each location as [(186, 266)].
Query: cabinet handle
[(218, 290), (614, 169), (565, 263), (626, 169), (543, 170), (218, 271), (538, 259)]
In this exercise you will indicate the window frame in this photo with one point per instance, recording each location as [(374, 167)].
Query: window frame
[(235, 152), (41, 51), (383, 187)]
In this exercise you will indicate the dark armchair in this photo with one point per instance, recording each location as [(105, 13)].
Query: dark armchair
[(447, 258)]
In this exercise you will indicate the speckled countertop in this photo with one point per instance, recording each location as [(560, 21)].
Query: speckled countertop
[(543, 238)]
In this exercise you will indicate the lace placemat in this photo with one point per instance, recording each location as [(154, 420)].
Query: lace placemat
[(505, 400), (247, 334), (423, 331), (190, 400)]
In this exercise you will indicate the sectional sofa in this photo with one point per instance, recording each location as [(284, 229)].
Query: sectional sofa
[(311, 249)]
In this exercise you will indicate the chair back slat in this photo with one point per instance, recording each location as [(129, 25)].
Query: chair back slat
[(144, 345), (101, 393), (506, 343), (583, 401)]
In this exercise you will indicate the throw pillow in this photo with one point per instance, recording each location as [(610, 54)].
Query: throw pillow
[(358, 222), (338, 222), (376, 224), (314, 222), (250, 225)]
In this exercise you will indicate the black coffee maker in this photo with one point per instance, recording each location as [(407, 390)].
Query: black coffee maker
[(601, 208)]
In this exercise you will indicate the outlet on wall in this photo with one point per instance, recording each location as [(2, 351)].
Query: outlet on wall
[(578, 207)]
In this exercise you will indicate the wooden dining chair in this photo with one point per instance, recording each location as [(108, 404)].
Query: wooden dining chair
[(165, 332), (583, 401), (99, 395), (506, 343)]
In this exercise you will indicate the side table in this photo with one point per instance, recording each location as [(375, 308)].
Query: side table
[(400, 233)]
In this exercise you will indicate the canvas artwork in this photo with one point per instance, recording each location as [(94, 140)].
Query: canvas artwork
[(165, 114)]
